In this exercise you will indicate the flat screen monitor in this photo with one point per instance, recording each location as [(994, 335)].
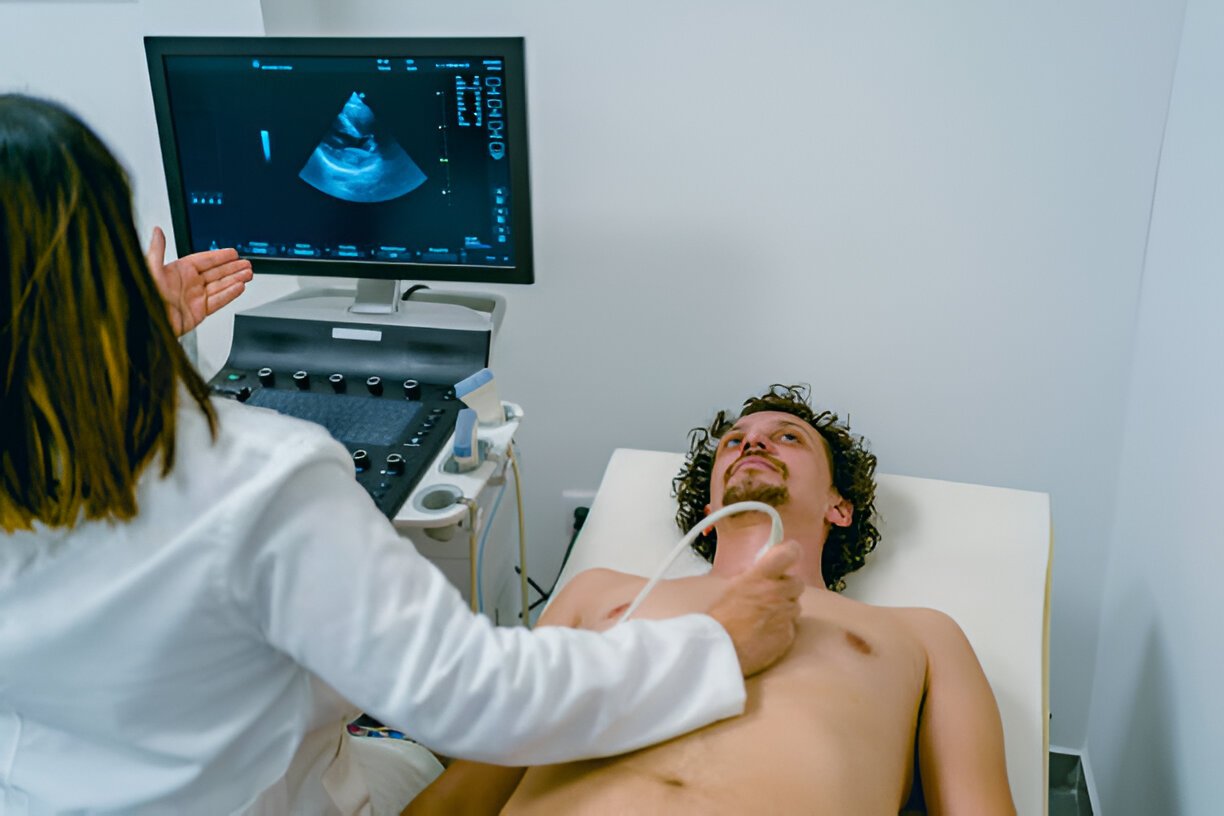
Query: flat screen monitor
[(376, 158)]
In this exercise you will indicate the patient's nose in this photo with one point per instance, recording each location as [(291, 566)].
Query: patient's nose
[(754, 438)]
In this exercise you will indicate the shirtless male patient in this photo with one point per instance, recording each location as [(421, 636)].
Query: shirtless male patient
[(875, 711)]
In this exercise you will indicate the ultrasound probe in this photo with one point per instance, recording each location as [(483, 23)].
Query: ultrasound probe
[(775, 535)]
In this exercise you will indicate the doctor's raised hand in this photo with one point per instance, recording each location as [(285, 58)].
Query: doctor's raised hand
[(196, 285)]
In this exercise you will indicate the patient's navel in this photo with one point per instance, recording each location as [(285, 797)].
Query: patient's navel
[(617, 611), (858, 643)]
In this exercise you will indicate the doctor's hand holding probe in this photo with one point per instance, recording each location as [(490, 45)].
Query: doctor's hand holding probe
[(196, 596)]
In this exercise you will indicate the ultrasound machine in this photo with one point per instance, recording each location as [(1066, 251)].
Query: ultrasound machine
[(382, 160)]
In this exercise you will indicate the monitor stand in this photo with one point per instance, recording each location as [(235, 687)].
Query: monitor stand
[(383, 297), (376, 297)]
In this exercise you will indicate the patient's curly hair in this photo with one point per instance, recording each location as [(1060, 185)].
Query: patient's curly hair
[(852, 466)]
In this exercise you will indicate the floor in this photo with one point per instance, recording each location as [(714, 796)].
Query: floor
[(1068, 790)]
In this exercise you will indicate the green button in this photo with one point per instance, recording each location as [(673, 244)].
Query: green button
[(232, 377)]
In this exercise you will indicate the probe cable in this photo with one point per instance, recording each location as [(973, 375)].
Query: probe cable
[(775, 535)]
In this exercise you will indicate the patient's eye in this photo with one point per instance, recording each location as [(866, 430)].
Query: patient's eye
[(731, 442), (790, 436)]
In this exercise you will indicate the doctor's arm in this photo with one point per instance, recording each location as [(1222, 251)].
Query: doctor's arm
[(474, 788), (960, 734), (478, 788), (327, 581)]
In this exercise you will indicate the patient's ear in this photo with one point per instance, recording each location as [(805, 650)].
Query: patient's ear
[(709, 529), (840, 514)]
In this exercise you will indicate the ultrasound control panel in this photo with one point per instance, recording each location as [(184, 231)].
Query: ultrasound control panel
[(392, 427)]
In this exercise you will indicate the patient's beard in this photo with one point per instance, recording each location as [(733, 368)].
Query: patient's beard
[(752, 490)]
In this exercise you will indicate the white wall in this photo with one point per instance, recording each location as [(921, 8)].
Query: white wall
[(935, 213), (89, 56), (1156, 730)]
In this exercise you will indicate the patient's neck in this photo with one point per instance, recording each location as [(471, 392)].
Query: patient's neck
[(741, 537)]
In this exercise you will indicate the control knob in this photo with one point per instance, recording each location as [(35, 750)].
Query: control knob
[(375, 385), (412, 389), (361, 459), (302, 379), (395, 463), (337, 383), (266, 377)]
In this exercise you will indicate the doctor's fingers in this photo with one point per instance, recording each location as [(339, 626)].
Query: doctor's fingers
[(776, 560), (766, 638), (785, 594), (227, 272), (223, 297)]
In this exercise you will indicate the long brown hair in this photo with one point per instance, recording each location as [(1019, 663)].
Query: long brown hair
[(89, 365)]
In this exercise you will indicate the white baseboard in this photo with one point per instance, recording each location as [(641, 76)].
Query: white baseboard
[(1094, 800)]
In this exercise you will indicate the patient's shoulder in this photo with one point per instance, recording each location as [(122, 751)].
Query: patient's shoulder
[(603, 575), (941, 636), (598, 579), (580, 592), (928, 623)]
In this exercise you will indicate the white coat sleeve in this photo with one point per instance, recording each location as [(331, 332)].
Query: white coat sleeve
[(324, 577)]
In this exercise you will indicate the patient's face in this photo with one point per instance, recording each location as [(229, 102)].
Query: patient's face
[(771, 457)]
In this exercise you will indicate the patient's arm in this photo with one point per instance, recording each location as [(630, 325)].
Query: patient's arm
[(472, 788), (960, 735), (466, 789)]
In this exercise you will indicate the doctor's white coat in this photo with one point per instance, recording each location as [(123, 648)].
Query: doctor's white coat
[(204, 658)]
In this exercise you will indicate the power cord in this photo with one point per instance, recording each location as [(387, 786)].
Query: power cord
[(472, 552), (484, 537), (412, 290), (518, 495)]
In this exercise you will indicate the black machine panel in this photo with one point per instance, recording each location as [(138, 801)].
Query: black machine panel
[(393, 435), (364, 393)]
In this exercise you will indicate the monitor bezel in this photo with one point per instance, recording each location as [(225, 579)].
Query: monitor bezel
[(509, 49)]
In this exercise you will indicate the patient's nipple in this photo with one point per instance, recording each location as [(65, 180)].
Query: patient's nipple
[(617, 611), (858, 643)]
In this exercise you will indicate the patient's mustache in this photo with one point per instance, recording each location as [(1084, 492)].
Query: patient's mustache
[(777, 463)]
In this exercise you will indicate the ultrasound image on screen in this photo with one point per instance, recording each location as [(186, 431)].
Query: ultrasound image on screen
[(352, 158), (357, 162)]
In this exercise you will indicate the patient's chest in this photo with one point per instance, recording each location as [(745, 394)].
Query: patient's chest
[(830, 728)]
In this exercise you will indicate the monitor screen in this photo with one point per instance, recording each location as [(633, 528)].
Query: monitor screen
[(368, 158)]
